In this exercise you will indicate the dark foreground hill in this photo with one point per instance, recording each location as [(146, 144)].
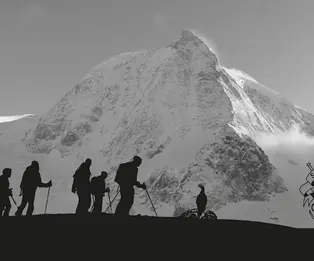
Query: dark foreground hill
[(137, 235), (109, 221)]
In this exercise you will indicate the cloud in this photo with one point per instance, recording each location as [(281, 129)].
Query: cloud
[(293, 140), (32, 13), (13, 118)]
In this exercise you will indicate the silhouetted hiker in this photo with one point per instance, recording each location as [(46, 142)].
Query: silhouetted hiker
[(127, 178), (31, 180), (201, 201), (98, 189), (81, 186), (5, 192)]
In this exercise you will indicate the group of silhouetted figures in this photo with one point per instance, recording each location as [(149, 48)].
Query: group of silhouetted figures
[(31, 180), (84, 186), (126, 177)]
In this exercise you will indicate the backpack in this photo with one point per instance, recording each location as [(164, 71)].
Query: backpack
[(78, 175), (123, 168), (3, 186), (93, 185)]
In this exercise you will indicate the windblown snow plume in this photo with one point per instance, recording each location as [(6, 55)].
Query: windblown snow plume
[(243, 79), (239, 76), (207, 41)]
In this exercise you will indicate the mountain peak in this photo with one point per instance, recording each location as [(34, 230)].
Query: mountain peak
[(190, 37), (191, 43), (186, 34)]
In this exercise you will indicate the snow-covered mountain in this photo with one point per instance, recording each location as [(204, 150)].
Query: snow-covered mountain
[(190, 119)]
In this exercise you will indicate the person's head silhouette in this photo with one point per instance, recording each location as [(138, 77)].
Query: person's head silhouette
[(88, 162), (104, 174), (7, 172), (35, 165), (137, 160)]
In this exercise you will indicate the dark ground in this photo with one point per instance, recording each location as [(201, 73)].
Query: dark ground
[(138, 234)]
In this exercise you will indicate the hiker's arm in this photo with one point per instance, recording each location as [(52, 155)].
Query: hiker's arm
[(73, 189), (23, 181), (41, 184), (106, 189), (135, 181), (138, 184)]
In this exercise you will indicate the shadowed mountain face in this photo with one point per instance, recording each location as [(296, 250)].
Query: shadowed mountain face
[(184, 114)]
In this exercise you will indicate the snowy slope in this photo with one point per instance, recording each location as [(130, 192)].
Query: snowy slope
[(280, 113), (189, 118), (289, 153)]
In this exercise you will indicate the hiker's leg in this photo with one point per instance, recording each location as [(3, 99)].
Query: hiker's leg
[(129, 202), (79, 204), (7, 207), (97, 204), (31, 199), (1, 207), (23, 204), (100, 203), (120, 207), (88, 201), (84, 202)]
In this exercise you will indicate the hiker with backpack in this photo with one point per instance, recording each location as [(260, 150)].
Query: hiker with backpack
[(126, 177), (5, 192), (31, 180), (98, 190), (81, 186)]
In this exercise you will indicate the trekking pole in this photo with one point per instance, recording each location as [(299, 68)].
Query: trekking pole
[(13, 200), (109, 202), (47, 199), (113, 200), (151, 202), (12, 197), (93, 204)]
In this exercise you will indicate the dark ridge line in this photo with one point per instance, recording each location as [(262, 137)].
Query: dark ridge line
[(136, 219)]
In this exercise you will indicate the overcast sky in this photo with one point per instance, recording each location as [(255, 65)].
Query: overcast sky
[(46, 47)]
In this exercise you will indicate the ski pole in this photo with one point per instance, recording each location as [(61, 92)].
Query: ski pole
[(13, 200), (12, 197), (151, 202), (113, 200), (47, 199), (93, 204), (110, 202)]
